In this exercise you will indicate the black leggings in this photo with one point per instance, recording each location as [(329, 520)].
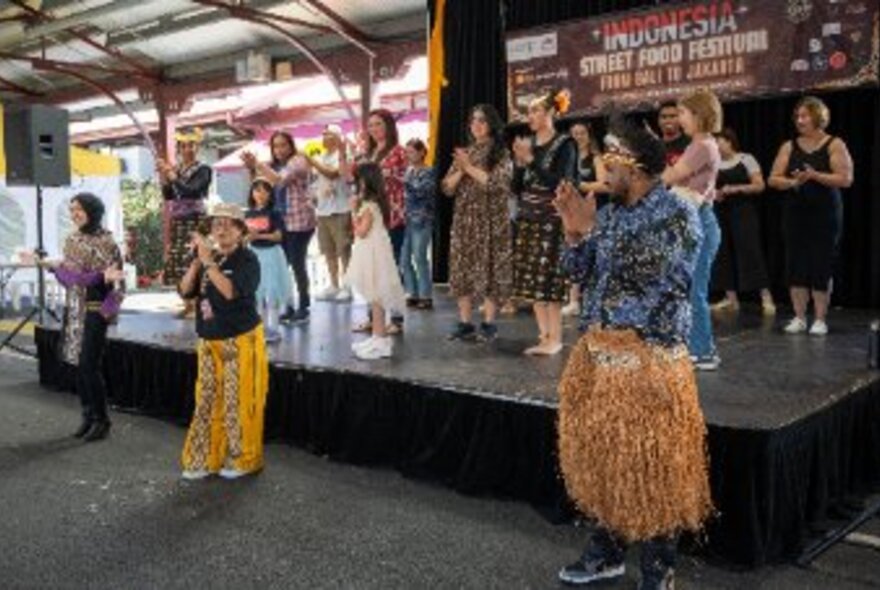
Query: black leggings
[(89, 377), (296, 249)]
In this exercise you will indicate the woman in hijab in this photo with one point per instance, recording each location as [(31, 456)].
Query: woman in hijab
[(91, 272)]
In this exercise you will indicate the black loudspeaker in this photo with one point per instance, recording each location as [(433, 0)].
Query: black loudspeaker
[(36, 142)]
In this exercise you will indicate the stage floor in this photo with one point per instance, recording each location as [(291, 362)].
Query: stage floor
[(767, 379)]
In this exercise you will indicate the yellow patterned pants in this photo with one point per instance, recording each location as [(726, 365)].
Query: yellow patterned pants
[(227, 424)]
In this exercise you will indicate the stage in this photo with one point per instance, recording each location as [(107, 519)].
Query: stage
[(794, 422)]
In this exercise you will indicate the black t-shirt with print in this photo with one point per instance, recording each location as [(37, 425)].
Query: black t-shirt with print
[(218, 318), (675, 148), (265, 221)]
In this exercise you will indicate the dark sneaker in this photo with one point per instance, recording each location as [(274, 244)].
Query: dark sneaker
[(488, 332), (287, 316), (425, 304), (301, 316), (464, 331), (663, 580), (589, 569)]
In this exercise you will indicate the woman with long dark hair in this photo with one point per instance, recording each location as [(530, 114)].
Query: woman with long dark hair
[(289, 173), (383, 148), (480, 256)]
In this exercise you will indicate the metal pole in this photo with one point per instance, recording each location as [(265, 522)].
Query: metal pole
[(41, 252)]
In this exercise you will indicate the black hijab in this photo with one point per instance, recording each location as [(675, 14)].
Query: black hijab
[(94, 208)]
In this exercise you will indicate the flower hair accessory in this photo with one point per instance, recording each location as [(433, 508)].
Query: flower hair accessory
[(562, 102)]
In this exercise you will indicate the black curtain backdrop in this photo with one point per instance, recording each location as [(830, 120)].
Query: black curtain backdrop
[(476, 70)]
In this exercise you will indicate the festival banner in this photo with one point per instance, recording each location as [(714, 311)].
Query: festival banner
[(738, 48)]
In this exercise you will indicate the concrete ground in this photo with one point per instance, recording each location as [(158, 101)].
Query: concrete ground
[(115, 515)]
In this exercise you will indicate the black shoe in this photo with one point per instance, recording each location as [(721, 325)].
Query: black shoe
[(425, 304), (287, 316), (488, 332), (83, 429), (464, 331), (591, 567), (412, 302), (301, 316), (98, 431)]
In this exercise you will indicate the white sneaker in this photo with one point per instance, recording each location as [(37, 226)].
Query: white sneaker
[(230, 473), (796, 326), (819, 328), (194, 474), (572, 309), (362, 345), (379, 348), (344, 294), (327, 293)]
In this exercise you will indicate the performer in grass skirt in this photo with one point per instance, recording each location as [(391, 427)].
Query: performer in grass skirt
[(632, 438)]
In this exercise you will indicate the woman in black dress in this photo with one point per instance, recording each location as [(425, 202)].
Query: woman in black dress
[(739, 266), (590, 180), (813, 168)]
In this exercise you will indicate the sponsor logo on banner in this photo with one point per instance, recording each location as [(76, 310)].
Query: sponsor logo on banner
[(527, 48)]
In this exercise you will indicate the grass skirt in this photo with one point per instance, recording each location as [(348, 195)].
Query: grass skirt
[(632, 438)]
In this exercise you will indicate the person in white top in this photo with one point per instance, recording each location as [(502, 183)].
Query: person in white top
[(331, 195)]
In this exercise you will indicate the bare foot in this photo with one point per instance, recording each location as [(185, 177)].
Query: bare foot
[(545, 348)]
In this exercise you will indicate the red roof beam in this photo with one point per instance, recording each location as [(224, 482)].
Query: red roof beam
[(51, 64), (110, 51)]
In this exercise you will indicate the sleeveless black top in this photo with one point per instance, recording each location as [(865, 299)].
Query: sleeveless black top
[(820, 161)]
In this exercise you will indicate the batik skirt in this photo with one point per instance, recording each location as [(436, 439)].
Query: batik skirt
[(182, 218), (537, 273)]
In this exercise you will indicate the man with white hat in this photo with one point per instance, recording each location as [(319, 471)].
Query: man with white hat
[(331, 195)]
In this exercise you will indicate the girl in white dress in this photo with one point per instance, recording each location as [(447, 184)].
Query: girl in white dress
[(372, 272)]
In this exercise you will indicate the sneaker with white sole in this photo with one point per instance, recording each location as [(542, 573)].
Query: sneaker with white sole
[(194, 474), (361, 345), (232, 473), (819, 328), (589, 569), (707, 363), (796, 326), (379, 348), (327, 294), (343, 295)]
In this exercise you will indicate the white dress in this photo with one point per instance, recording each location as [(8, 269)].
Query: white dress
[(372, 272)]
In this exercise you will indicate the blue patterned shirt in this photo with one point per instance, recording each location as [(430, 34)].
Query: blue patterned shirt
[(419, 185), (636, 266)]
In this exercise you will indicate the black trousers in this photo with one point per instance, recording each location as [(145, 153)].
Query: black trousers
[(296, 249), (658, 554), (89, 378)]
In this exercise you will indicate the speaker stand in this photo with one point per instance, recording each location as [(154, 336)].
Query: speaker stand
[(38, 309)]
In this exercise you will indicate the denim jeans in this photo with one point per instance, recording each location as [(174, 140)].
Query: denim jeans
[(414, 260), (701, 342)]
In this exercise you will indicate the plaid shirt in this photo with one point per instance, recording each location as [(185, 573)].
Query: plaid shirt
[(300, 214)]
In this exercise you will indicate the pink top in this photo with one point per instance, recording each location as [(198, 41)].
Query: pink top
[(704, 160)]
